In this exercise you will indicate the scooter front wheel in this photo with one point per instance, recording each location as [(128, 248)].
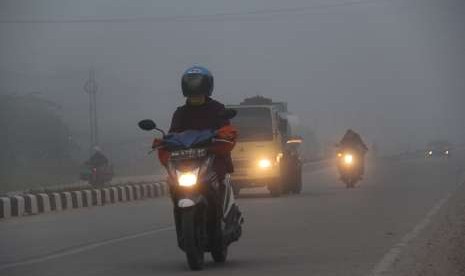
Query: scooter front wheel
[(350, 183), (192, 233)]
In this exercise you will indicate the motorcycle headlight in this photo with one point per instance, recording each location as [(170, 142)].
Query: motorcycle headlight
[(188, 179), (348, 159), (430, 152), (264, 164)]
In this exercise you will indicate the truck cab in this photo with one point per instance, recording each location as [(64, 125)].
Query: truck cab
[(263, 156)]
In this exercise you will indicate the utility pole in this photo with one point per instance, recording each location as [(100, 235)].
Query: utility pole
[(91, 89)]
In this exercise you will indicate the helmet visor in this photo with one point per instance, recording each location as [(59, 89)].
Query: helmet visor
[(195, 85)]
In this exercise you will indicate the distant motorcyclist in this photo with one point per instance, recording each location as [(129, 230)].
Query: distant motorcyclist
[(353, 141), (97, 169), (98, 159)]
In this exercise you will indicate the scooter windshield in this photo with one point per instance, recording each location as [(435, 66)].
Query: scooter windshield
[(188, 138)]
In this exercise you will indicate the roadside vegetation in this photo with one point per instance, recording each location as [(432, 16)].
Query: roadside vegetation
[(37, 146)]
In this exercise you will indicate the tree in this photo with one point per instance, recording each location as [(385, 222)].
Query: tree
[(34, 137)]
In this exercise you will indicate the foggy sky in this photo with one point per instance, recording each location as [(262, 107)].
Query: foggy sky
[(392, 69)]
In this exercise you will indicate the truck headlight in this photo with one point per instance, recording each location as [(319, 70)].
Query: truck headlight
[(187, 179), (264, 163)]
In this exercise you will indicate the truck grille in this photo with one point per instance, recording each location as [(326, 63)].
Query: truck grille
[(241, 164)]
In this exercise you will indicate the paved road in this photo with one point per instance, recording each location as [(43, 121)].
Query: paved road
[(327, 230)]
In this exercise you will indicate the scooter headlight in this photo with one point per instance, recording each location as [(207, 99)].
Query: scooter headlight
[(348, 159), (188, 179)]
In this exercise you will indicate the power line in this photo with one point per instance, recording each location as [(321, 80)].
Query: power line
[(186, 18)]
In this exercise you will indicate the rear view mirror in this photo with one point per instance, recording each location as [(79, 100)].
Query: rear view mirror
[(147, 125), (294, 140), (228, 113)]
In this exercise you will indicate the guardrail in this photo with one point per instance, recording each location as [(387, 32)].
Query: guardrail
[(32, 204), (82, 195)]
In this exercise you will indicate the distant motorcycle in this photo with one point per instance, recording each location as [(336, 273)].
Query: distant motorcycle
[(97, 176), (349, 164), (206, 217)]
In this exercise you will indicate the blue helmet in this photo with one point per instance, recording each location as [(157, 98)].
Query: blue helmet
[(197, 81)]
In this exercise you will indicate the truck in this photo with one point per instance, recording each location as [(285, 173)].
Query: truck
[(267, 150)]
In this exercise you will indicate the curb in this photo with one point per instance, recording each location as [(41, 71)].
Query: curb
[(32, 204)]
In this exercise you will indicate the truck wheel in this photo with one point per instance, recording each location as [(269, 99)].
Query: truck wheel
[(276, 188), (286, 181), (297, 189)]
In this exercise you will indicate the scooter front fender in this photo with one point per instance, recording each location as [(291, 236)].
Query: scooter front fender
[(190, 201)]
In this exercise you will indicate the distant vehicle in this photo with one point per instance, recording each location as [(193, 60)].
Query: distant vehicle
[(438, 148), (96, 176), (267, 151), (349, 166)]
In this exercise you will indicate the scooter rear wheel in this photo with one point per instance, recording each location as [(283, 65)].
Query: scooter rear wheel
[(220, 253)]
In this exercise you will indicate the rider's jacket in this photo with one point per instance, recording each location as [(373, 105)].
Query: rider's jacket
[(201, 117)]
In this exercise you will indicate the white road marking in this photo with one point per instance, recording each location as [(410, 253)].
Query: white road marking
[(384, 266), (87, 247)]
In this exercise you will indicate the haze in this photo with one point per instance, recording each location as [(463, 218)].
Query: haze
[(393, 70)]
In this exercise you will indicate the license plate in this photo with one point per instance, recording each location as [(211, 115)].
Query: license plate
[(188, 154)]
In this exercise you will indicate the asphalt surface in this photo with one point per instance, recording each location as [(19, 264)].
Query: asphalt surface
[(327, 230)]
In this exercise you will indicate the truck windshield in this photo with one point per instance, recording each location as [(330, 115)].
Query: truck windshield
[(254, 124)]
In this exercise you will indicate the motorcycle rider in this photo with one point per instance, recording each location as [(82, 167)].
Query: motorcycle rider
[(220, 221), (353, 140), (201, 112), (98, 163), (98, 159)]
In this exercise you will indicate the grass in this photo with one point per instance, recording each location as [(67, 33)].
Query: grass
[(35, 178), (46, 177)]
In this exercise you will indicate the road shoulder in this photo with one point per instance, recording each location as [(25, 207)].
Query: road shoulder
[(440, 249)]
